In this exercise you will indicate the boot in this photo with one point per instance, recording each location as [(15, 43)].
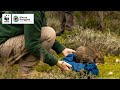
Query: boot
[(60, 32), (69, 28)]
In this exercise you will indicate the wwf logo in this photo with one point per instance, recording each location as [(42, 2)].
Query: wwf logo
[(6, 17)]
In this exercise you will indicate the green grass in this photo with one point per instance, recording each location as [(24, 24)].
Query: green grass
[(109, 66), (48, 72)]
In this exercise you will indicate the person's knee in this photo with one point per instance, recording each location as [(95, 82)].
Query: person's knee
[(48, 36), (50, 32)]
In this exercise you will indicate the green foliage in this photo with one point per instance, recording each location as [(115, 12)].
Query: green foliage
[(88, 19), (93, 20)]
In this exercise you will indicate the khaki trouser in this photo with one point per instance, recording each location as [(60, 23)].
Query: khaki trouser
[(13, 50)]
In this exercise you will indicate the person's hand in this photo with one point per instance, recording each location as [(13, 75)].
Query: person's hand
[(67, 51), (64, 66)]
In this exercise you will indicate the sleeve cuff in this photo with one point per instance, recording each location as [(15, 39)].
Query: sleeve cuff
[(53, 61)]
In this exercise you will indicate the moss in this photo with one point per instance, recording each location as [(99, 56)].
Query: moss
[(109, 66)]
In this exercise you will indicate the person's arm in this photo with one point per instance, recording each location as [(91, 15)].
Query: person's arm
[(32, 40), (58, 47)]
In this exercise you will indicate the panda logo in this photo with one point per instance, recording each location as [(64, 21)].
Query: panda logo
[(6, 17)]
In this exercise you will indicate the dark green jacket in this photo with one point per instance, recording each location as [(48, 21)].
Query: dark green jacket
[(32, 34)]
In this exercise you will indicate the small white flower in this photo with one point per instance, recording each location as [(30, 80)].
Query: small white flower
[(117, 60), (110, 73)]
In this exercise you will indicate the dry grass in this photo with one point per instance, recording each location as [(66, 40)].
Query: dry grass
[(108, 43)]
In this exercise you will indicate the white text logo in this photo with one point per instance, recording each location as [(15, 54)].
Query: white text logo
[(17, 18), (6, 18), (22, 18)]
